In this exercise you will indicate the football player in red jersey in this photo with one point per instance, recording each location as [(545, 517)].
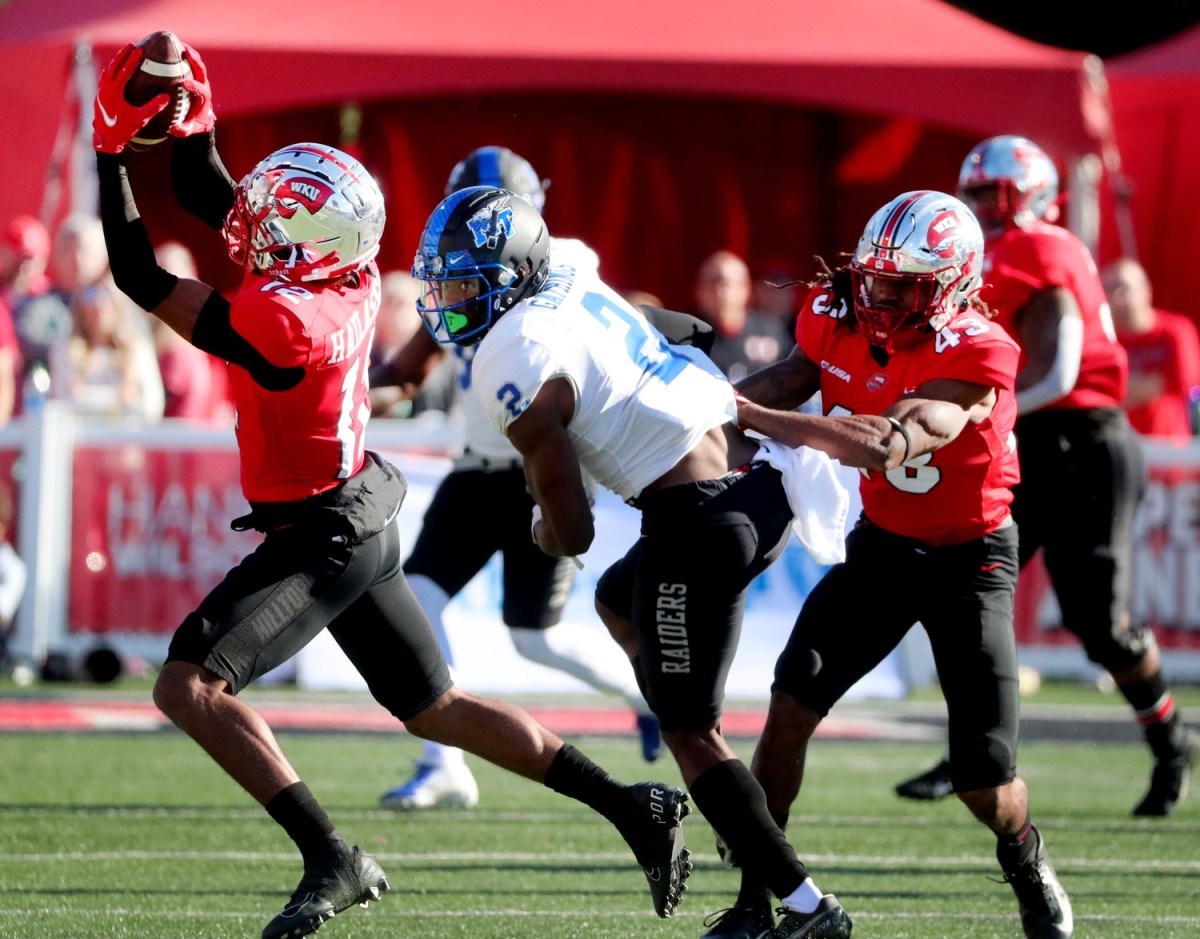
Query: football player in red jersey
[(1082, 471), (917, 387), (305, 224)]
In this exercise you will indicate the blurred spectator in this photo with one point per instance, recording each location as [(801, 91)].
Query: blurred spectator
[(23, 250), (78, 258), (1163, 350), (25, 297), (195, 384), (107, 366), (24, 254), (745, 340), (777, 292), (397, 323)]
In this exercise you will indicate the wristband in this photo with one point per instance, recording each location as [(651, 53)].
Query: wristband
[(738, 400), (899, 428)]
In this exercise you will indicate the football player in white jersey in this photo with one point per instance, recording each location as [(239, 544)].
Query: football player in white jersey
[(457, 539), (583, 385)]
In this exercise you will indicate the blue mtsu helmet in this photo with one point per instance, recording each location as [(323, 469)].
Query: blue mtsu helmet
[(499, 168), (483, 250)]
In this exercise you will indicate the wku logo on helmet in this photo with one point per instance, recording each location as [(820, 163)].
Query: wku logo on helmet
[(943, 235), (489, 223), (308, 192)]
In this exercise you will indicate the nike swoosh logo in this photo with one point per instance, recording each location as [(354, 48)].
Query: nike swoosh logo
[(653, 873), (110, 121), (989, 567)]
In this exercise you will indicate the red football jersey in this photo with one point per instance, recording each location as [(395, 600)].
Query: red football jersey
[(297, 443), (962, 490), (1023, 261)]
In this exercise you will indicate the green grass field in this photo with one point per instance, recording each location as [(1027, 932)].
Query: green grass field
[(139, 835)]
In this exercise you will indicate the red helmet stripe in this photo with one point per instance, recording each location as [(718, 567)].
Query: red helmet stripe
[(893, 220), (328, 157)]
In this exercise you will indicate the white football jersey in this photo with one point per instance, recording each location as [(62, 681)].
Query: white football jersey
[(480, 435), (641, 404)]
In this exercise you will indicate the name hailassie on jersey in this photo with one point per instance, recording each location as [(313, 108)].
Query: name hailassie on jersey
[(345, 342)]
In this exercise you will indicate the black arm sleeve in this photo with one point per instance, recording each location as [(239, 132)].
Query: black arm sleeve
[(681, 329), (130, 254), (199, 178), (214, 333)]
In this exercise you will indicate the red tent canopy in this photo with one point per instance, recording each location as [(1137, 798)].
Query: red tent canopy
[(1155, 97), (621, 94)]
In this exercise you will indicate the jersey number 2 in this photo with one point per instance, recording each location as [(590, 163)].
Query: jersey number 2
[(646, 348)]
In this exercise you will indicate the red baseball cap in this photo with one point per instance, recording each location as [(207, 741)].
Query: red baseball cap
[(27, 237)]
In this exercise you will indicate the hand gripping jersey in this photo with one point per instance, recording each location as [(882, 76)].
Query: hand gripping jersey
[(303, 441), (641, 404), (962, 490), (1022, 262)]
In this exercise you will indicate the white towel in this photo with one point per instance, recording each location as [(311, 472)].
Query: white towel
[(819, 501)]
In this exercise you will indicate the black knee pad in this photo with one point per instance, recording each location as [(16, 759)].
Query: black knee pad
[(1120, 649)]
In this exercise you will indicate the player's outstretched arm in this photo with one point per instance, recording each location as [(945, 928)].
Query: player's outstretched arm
[(785, 384), (409, 368), (199, 179)]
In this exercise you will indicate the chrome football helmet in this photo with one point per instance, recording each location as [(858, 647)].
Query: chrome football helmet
[(1009, 181), (483, 250), (499, 168), (917, 264), (306, 212)]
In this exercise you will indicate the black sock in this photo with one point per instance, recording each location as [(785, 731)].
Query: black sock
[(577, 777), (1015, 850), (1154, 706), (299, 813), (1145, 695), (736, 806)]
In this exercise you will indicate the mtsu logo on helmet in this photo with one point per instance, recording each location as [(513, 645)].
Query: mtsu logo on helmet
[(489, 223), (482, 252)]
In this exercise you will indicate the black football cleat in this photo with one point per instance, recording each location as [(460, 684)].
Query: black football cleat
[(1044, 905), (740, 922), (1169, 782), (827, 921), (336, 885), (929, 786), (658, 845)]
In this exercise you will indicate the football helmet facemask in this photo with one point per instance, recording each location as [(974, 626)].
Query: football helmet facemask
[(306, 212), (1009, 181), (917, 264), (483, 250), (499, 168)]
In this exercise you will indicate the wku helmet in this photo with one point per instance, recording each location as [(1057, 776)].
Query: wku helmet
[(307, 212), (917, 264), (1009, 181), (499, 168), (483, 250)]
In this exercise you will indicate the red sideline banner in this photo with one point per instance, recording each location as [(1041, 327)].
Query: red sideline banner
[(150, 535), (1164, 580)]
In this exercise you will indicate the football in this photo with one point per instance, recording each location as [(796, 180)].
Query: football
[(162, 71)]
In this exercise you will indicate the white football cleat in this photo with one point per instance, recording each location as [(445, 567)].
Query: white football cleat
[(434, 786)]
